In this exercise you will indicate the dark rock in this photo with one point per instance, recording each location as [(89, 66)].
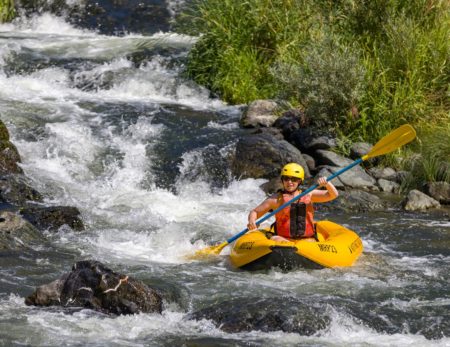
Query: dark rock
[(262, 156), (308, 141), (260, 113), (272, 186), (418, 201), (275, 132), (92, 285), (53, 217), (290, 121), (439, 191), (301, 138), (16, 233), (359, 149), (14, 189), (285, 314)]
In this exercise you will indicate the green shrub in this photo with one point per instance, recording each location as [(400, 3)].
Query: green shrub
[(327, 83)]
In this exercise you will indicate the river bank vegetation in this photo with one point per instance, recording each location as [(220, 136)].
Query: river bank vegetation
[(7, 10), (358, 68)]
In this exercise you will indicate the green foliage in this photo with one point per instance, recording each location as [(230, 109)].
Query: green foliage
[(361, 68), (243, 35), (7, 10), (328, 83)]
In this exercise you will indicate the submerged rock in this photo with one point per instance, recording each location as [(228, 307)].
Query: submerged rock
[(92, 285), (53, 217), (248, 314)]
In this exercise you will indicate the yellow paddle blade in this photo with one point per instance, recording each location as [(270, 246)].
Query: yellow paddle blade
[(392, 141), (209, 252)]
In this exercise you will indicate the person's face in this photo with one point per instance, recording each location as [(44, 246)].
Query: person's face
[(290, 183)]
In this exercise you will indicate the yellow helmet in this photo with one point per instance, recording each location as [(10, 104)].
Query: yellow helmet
[(293, 170)]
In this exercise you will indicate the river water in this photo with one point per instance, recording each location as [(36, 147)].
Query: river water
[(107, 124)]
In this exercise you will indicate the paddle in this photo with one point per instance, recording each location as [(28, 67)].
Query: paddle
[(387, 144)]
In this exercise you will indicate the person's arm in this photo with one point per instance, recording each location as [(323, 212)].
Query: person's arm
[(329, 194), (259, 211)]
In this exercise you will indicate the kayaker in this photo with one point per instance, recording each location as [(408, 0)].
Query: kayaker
[(296, 220)]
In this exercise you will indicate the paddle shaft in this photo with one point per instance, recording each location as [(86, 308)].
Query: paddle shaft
[(310, 189)]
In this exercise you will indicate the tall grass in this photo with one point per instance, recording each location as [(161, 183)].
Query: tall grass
[(7, 10), (241, 40)]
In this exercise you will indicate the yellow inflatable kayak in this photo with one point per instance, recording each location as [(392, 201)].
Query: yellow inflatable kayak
[(335, 246)]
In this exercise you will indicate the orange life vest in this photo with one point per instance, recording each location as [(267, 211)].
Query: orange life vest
[(296, 220)]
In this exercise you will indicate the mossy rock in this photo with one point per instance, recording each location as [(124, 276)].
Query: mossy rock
[(4, 133), (9, 157)]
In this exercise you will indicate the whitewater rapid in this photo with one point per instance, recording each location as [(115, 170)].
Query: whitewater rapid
[(138, 149)]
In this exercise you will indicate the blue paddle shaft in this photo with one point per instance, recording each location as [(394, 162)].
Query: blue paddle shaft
[(310, 189)]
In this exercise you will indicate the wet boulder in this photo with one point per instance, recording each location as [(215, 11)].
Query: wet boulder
[(263, 155), (439, 191), (418, 201), (249, 314), (92, 285), (291, 121), (16, 190), (53, 217), (9, 156), (307, 140), (16, 233), (260, 113)]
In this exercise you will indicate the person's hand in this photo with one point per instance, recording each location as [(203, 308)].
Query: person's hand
[(251, 225), (322, 182)]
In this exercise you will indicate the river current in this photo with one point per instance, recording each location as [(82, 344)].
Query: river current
[(109, 125)]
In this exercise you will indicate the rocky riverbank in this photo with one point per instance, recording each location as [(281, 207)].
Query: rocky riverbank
[(277, 140), (24, 212)]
